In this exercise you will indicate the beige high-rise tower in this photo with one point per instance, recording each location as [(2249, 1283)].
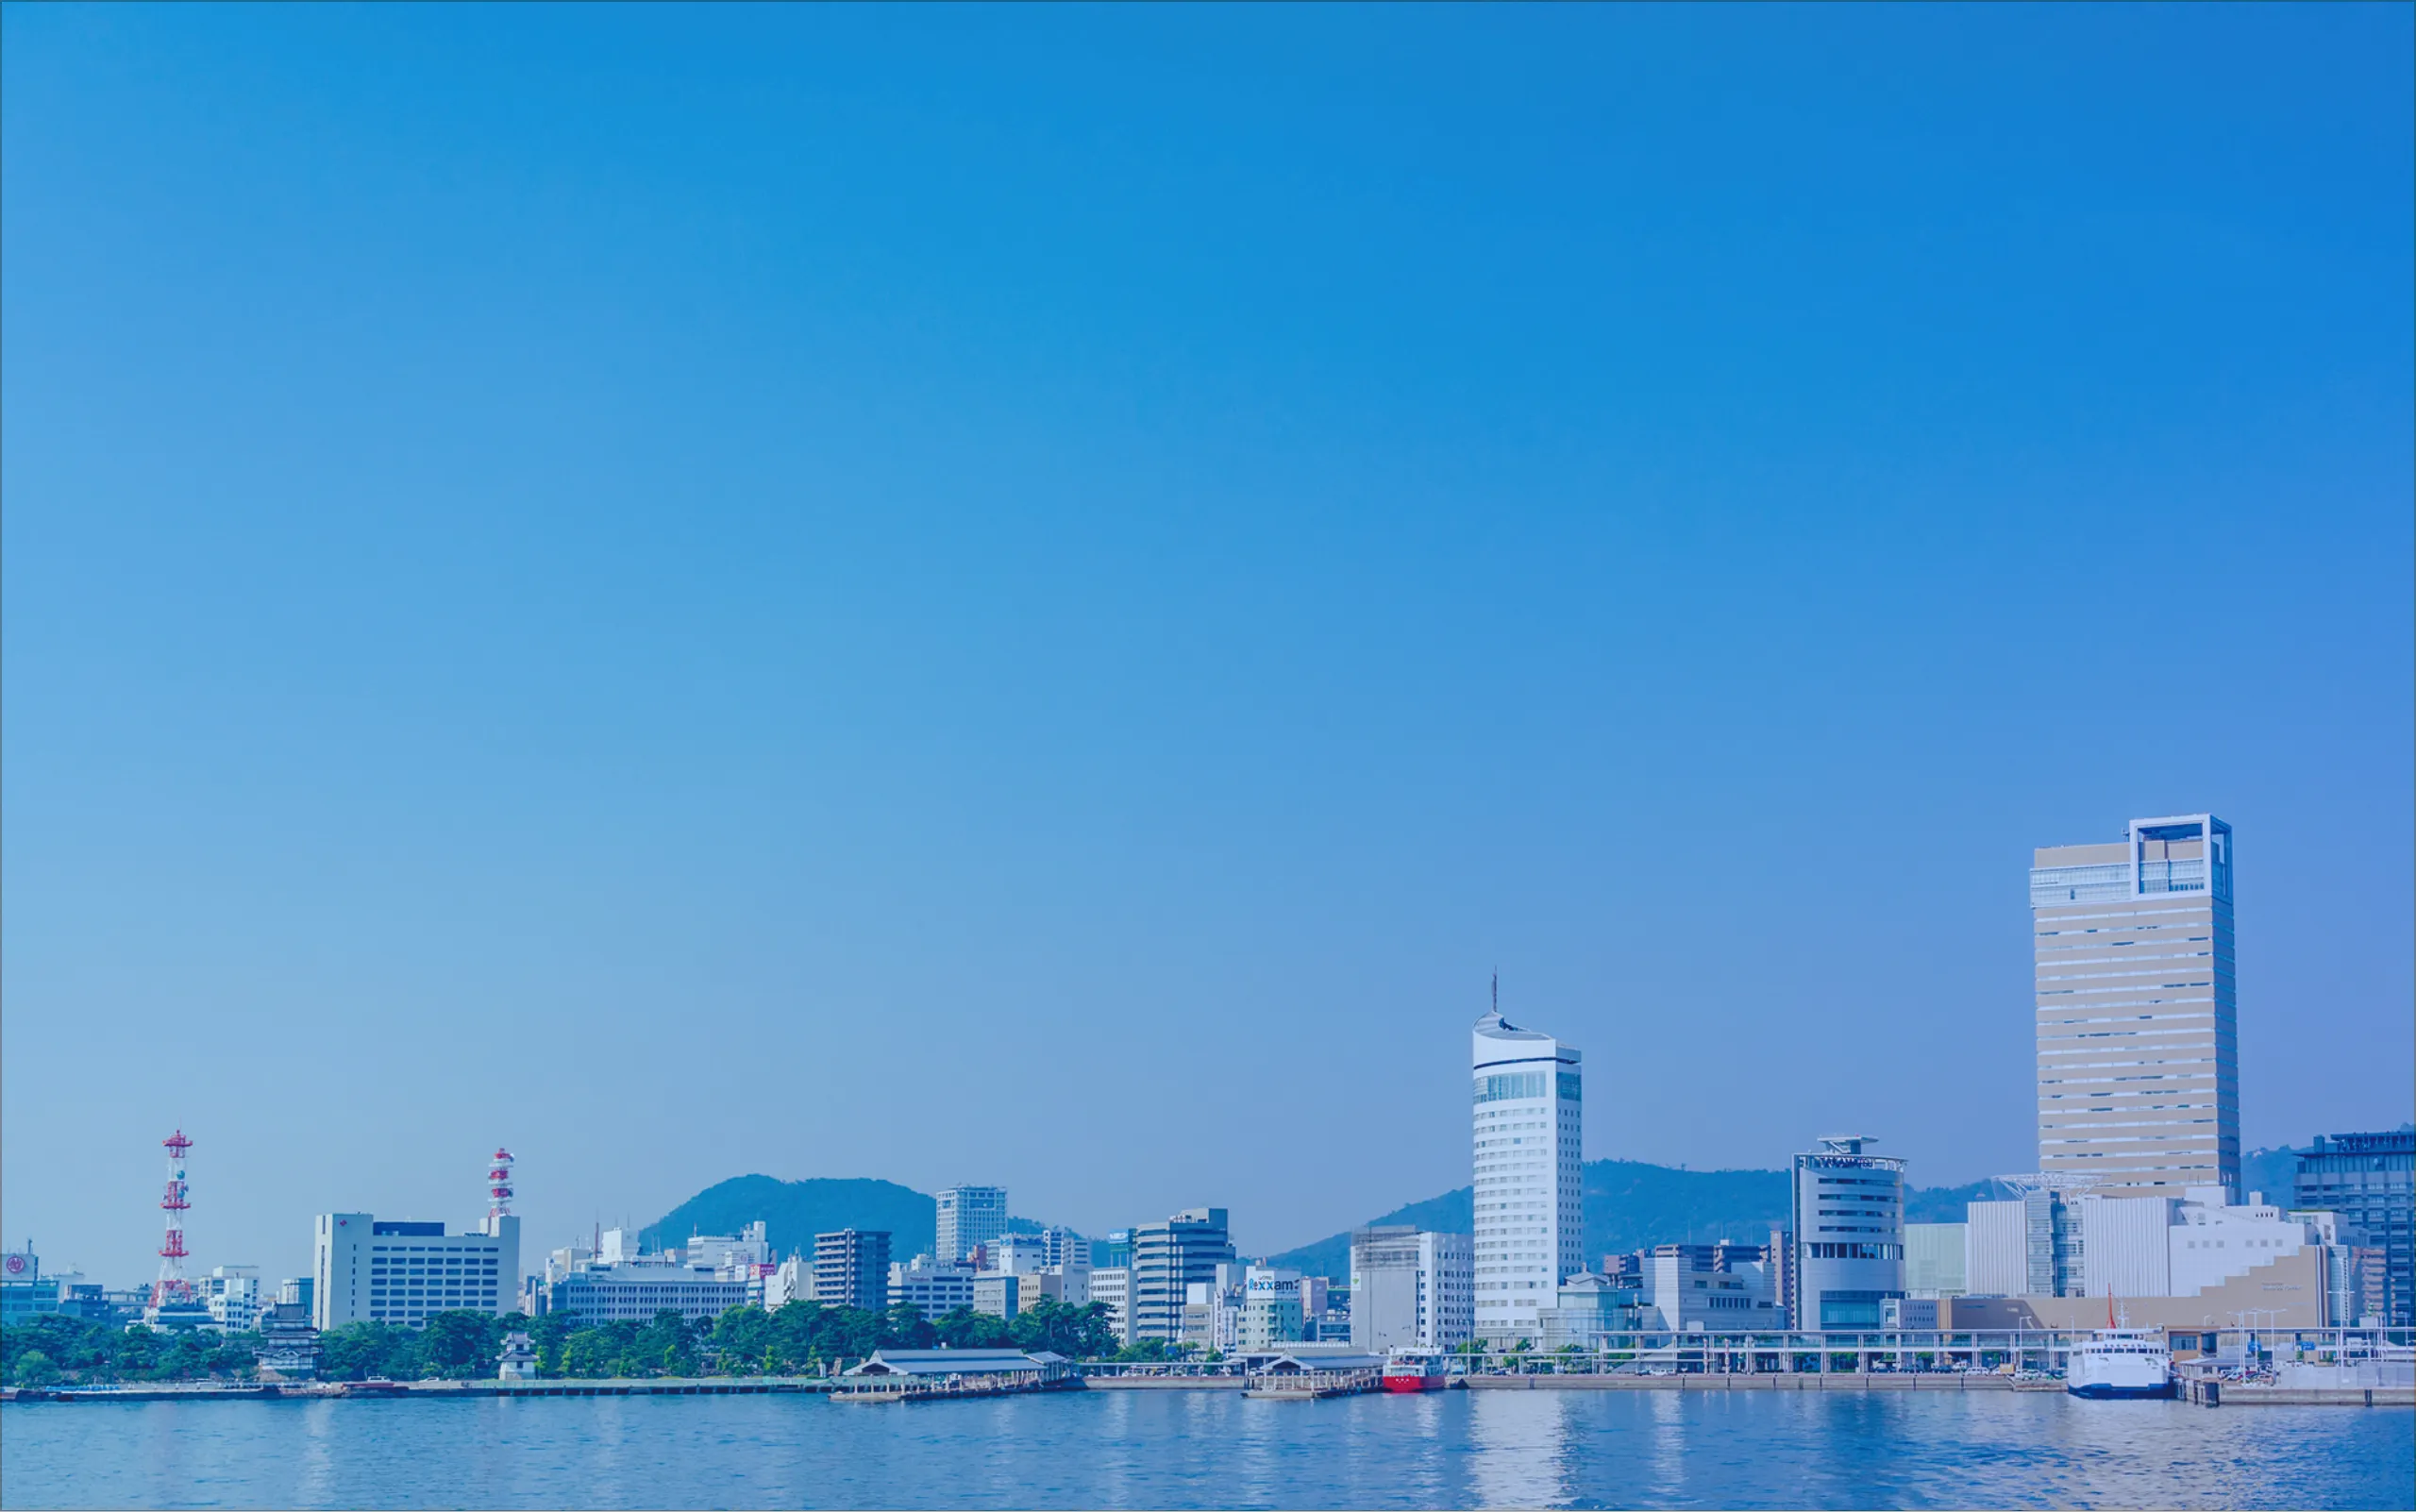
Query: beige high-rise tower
[(2138, 1044)]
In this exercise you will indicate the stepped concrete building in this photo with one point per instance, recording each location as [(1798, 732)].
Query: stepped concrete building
[(2139, 1051)]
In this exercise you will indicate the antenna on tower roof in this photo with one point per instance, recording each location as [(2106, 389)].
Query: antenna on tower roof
[(1497, 989)]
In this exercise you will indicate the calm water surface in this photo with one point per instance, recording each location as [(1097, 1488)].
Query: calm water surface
[(1202, 1449)]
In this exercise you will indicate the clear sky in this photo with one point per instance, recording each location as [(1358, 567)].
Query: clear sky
[(1040, 596)]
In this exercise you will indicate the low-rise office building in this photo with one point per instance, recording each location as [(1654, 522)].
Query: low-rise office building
[(929, 1287), (1271, 1310), (1692, 1291), (997, 1293), (1589, 1307), (26, 1293), (730, 1251), (1212, 1313), (232, 1294), (635, 1290)]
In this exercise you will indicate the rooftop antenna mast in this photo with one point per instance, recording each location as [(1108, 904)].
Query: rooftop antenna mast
[(1496, 992)]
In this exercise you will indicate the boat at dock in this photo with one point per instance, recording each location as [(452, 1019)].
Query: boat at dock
[(2119, 1362), (1411, 1370)]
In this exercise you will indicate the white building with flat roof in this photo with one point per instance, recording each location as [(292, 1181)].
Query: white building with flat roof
[(233, 1295), (368, 1269), (929, 1287), (1530, 1196), (634, 1291)]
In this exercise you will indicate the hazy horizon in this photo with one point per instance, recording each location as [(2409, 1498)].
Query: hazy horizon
[(1041, 596)]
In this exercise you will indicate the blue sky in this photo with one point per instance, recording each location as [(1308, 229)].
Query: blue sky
[(1041, 596)]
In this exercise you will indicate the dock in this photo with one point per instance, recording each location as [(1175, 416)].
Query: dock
[(2208, 1392), (1310, 1386), (909, 1388)]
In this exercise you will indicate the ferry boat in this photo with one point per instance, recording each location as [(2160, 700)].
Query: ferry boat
[(2120, 1362), (1416, 1371)]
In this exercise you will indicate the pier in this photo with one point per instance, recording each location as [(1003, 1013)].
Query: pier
[(1310, 1386)]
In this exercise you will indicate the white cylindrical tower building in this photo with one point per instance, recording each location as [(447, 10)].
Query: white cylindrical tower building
[(1530, 1180)]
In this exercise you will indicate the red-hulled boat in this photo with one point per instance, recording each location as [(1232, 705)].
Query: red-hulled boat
[(1416, 1371)]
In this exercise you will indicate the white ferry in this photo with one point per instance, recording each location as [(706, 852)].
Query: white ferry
[(2121, 1362)]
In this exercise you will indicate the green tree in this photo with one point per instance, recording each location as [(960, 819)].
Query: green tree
[(604, 1349), (1077, 1333), (903, 1327), (459, 1346), (666, 1346), (546, 1336), (964, 1329), (743, 1342), (357, 1351), (34, 1368)]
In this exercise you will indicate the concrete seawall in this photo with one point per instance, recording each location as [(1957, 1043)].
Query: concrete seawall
[(1765, 1380)]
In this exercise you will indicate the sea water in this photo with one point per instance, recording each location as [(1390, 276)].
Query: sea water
[(1211, 1449)]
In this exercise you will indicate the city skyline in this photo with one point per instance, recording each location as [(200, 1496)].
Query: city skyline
[(650, 590)]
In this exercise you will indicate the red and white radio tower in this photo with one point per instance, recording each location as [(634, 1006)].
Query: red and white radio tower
[(172, 1284), (499, 1183)]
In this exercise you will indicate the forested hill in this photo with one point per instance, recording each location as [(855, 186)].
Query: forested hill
[(1630, 1205), (794, 1212)]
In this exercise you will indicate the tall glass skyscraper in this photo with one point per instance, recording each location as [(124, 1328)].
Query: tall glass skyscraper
[(2138, 1045), (1530, 1195)]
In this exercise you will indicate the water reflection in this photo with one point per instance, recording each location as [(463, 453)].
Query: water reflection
[(316, 1461), (1179, 1449), (1520, 1444)]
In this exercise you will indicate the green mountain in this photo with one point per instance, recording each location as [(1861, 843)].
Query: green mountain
[(794, 1212), (1630, 1205)]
